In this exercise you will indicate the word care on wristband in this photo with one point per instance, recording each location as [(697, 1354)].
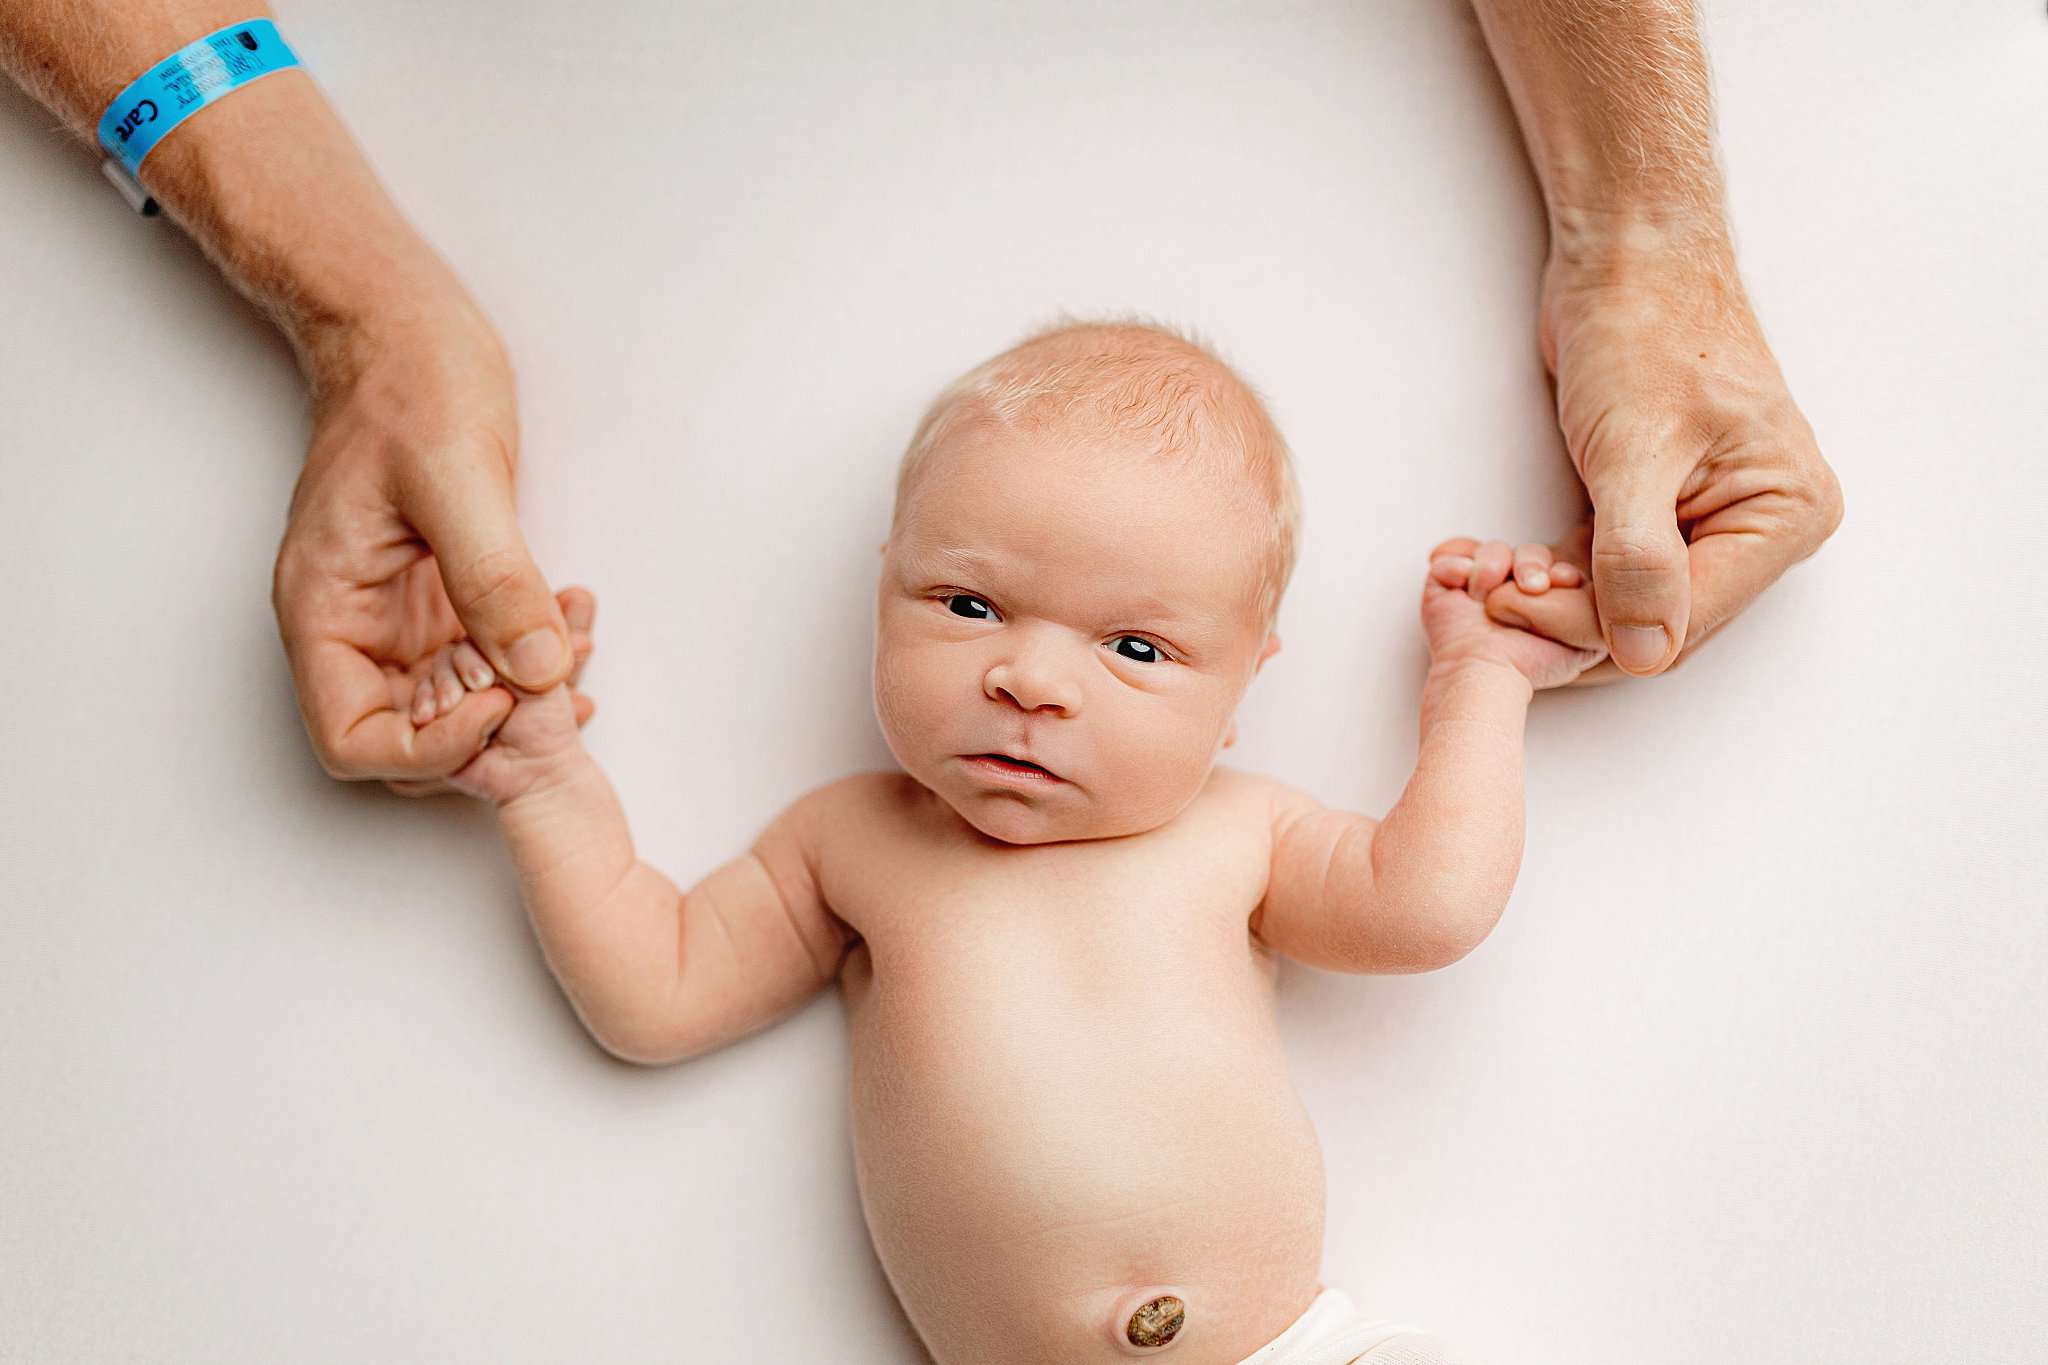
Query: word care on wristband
[(180, 86)]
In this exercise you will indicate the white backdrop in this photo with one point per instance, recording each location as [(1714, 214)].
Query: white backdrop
[(1752, 1069)]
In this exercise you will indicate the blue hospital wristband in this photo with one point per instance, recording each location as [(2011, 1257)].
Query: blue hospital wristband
[(181, 85)]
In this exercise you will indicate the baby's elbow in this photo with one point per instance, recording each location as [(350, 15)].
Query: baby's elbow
[(1446, 933), (1430, 955), (633, 1055), (639, 1046)]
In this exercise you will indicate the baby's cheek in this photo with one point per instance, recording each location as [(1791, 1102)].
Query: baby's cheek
[(1158, 762), (911, 686)]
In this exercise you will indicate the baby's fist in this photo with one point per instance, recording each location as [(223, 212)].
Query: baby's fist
[(1461, 573), (539, 737)]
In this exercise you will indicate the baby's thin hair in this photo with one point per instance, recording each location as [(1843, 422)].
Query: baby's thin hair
[(1139, 378)]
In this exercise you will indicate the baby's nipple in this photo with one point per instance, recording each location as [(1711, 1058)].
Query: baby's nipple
[(1157, 1321)]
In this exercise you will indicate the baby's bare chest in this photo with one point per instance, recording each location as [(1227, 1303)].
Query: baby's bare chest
[(907, 873), (1155, 915)]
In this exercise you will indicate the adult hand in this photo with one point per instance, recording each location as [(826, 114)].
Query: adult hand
[(401, 539), (1705, 480)]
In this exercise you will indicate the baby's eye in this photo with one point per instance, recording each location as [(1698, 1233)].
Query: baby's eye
[(970, 606), (1138, 649)]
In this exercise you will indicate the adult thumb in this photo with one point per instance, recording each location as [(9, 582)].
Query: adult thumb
[(1640, 572), (467, 519)]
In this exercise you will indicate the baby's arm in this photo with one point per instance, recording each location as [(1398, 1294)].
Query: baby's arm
[(655, 974), (1423, 887), (658, 975)]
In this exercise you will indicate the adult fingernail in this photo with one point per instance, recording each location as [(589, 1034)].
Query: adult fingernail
[(534, 656), (1639, 647), (1510, 618)]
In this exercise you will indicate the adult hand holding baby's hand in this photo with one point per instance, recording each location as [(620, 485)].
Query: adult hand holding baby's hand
[(1454, 618), (539, 738), (402, 541), (459, 667), (1705, 479)]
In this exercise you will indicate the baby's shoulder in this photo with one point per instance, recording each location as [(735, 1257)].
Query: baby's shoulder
[(1254, 798), (859, 804)]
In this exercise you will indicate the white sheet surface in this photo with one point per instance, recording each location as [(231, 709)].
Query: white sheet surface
[(1752, 1070)]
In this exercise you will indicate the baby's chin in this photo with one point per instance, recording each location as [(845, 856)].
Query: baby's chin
[(1064, 817)]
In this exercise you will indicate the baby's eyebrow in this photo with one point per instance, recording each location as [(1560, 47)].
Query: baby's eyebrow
[(1150, 610), (955, 559)]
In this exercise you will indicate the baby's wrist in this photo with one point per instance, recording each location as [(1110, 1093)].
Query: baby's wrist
[(1467, 674), (539, 778)]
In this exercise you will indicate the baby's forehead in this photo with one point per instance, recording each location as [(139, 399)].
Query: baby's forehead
[(1135, 418), (1137, 463), (1091, 463), (1061, 510)]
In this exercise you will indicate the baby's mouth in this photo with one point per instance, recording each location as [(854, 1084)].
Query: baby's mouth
[(1005, 763)]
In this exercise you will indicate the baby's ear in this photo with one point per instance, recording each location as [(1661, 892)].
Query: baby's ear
[(1230, 735), (885, 547), (1272, 648)]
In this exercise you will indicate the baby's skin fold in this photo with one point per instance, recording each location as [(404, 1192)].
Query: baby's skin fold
[(1056, 927)]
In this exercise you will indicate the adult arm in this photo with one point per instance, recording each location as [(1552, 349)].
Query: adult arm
[(1705, 479), (401, 535)]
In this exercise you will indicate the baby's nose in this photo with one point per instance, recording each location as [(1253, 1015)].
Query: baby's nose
[(1033, 683)]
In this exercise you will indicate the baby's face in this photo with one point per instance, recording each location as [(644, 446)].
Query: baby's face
[(1057, 599)]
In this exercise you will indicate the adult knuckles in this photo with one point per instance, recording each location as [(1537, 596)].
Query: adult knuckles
[(1821, 492), (1806, 497), (289, 575)]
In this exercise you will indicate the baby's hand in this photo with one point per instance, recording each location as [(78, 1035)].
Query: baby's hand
[(541, 730), (1461, 573)]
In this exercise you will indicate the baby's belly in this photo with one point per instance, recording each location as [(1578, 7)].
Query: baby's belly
[(1047, 1141)]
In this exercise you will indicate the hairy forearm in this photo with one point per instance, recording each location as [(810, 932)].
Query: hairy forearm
[(1445, 857), (1615, 108), (267, 181), (609, 924)]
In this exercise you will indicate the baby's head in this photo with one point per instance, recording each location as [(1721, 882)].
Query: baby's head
[(1091, 537)]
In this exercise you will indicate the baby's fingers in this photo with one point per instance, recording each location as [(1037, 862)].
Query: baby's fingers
[(422, 707), (579, 607), (417, 787), (1532, 568), (438, 689), (472, 667), (1451, 570), (448, 688), (1567, 616), (1561, 572), (1491, 565)]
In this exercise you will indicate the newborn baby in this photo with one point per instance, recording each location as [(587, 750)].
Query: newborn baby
[(1075, 1132)]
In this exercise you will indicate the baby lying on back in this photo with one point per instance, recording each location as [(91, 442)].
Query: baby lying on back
[(1075, 1132)]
